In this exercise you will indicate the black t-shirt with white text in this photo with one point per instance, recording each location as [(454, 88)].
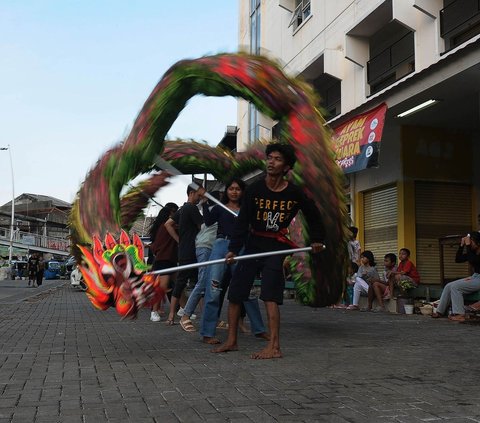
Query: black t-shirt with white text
[(264, 210)]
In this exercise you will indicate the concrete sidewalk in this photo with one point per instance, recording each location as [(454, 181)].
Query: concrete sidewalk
[(63, 361), (14, 291)]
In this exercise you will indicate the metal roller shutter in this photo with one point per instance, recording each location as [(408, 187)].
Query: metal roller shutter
[(441, 209), (380, 222)]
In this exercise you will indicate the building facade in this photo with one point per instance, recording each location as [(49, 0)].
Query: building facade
[(40, 224), (418, 62)]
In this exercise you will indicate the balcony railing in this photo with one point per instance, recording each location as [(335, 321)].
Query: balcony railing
[(457, 14), (30, 240), (392, 58)]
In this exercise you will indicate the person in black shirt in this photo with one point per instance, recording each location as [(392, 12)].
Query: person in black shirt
[(188, 220), (268, 208), (32, 269)]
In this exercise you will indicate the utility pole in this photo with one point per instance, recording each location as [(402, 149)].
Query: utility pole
[(12, 221)]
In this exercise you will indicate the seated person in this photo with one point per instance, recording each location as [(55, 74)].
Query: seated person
[(365, 276), (469, 250), (406, 270), (347, 292), (379, 289)]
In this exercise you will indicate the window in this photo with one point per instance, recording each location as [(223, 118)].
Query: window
[(253, 127), (300, 14), (255, 26)]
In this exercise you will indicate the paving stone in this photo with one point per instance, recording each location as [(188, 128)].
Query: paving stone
[(62, 359)]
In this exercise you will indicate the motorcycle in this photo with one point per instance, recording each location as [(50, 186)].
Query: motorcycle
[(76, 279)]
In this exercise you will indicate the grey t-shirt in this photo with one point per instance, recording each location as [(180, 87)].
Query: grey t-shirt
[(367, 272)]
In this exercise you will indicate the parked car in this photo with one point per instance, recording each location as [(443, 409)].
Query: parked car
[(19, 269)]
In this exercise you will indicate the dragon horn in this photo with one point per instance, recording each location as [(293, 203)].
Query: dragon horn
[(109, 241), (97, 250), (139, 244), (124, 238)]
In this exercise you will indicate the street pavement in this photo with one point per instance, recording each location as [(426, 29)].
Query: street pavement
[(63, 361)]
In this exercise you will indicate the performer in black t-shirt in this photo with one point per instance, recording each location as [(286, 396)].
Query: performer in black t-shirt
[(267, 209)]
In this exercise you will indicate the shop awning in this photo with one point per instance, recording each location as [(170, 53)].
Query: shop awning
[(357, 142)]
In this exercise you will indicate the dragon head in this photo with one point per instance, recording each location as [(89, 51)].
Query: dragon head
[(115, 275)]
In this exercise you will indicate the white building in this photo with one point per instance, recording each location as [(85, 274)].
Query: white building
[(362, 54)]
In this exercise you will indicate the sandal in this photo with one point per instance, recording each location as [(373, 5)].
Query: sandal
[(457, 318), (169, 322), (222, 325), (437, 315), (473, 308), (352, 307), (187, 325)]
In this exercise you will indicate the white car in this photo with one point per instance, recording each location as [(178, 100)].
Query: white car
[(76, 279)]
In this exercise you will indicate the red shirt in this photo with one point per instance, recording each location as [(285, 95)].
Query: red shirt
[(409, 269)]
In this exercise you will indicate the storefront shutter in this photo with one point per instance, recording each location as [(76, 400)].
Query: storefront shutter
[(380, 222), (441, 209)]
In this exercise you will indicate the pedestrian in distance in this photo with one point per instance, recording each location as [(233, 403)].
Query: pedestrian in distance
[(32, 268), (40, 270)]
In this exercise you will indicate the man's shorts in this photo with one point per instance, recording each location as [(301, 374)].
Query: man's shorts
[(273, 280)]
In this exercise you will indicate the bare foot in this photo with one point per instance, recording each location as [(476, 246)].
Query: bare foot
[(263, 335), (267, 353), (225, 348), (210, 340)]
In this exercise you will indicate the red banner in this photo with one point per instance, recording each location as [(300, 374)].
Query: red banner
[(357, 142)]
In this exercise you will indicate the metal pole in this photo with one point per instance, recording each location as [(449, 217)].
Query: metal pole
[(164, 165), (12, 221), (237, 258)]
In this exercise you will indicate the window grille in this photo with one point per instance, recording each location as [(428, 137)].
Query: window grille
[(300, 14)]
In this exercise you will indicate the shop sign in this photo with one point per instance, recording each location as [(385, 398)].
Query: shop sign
[(357, 142)]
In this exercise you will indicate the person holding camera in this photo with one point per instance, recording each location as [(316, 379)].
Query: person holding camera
[(469, 250)]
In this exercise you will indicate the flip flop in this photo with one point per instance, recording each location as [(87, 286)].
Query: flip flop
[(437, 315), (187, 325), (457, 318), (472, 309), (222, 325), (169, 322)]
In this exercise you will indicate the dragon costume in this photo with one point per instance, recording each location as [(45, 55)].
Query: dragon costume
[(100, 209)]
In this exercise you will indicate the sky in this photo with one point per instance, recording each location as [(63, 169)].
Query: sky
[(75, 73)]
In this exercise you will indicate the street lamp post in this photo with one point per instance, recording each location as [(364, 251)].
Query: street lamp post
[(12, 221)]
